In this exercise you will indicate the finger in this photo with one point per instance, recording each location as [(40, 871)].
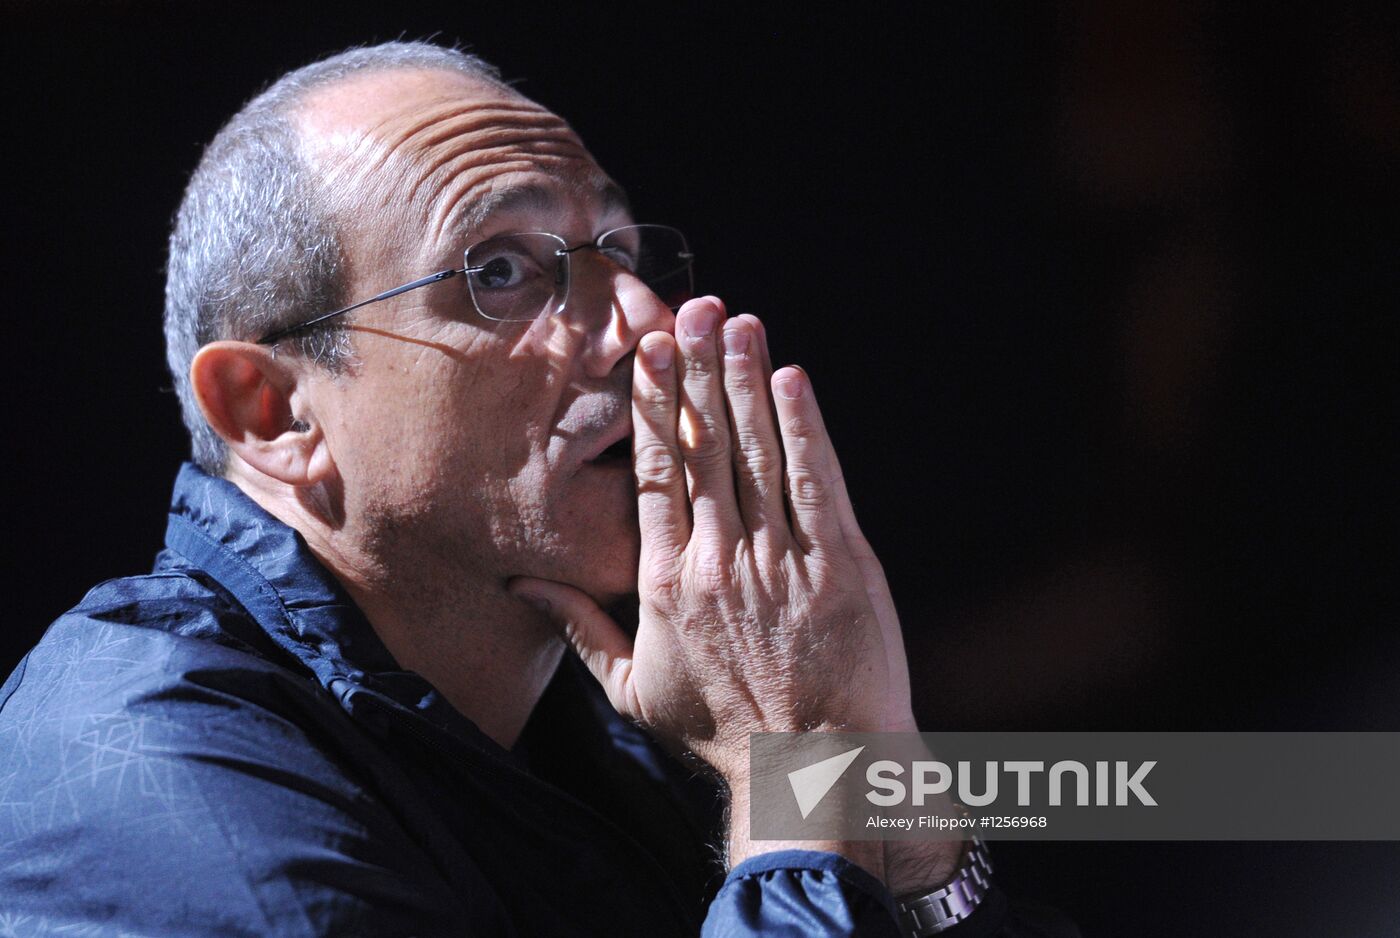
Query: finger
[(845, 511), (871, 570), (761, 332), (872, 573), (663, 509), (599, 641), (841, 499), (767, 357), (757, 451), (704, 423), (814, 520)]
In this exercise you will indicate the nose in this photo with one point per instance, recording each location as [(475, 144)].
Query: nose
[(611, 309)]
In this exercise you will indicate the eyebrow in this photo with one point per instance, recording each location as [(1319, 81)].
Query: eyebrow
[(533, 198)]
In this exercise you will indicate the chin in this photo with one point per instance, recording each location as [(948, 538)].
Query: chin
[(614, 581), (595, 545)]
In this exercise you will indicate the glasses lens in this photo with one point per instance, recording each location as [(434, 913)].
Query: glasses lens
[(518, 277), (658, 255)]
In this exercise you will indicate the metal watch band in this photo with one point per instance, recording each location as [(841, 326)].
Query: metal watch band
[(943, 908)]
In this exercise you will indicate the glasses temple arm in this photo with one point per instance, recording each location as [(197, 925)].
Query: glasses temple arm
[(420, 282)]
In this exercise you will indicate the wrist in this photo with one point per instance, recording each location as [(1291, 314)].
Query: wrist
[(915, 867), (740, 846)]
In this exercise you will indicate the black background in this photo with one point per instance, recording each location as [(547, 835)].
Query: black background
[(1099, 301)]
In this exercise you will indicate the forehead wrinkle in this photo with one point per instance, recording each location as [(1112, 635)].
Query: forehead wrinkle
[(478, 128), (542, 153), (480, 207), (592, 184), (451, 138), (462, 214), (455, 118)]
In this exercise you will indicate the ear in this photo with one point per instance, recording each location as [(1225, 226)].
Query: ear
[(254, 401)]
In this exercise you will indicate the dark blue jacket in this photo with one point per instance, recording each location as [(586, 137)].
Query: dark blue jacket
[(224, 747)]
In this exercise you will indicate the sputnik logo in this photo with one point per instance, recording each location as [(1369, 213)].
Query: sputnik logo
[(810, 785)]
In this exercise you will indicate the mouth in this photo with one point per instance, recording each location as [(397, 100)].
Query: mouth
[(613, 448), (617, 453)]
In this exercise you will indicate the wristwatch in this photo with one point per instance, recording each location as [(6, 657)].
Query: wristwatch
[(943, 908)]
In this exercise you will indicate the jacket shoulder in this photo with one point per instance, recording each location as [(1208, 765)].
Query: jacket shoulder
[(177, 600), (157, 764)]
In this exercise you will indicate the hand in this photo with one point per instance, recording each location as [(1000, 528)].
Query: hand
[(762, 608)]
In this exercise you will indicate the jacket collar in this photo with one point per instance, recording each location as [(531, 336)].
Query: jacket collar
[(271, 571)]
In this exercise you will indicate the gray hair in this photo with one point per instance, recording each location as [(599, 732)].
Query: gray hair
[(254, 247)]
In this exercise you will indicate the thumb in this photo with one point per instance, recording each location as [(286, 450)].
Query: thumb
[(600, 642)]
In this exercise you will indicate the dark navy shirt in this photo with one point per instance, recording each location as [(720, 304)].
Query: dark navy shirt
[(224, 747)]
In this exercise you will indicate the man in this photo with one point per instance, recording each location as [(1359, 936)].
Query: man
[(414, 327)]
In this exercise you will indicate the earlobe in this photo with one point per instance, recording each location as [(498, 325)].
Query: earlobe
[(247, 395)]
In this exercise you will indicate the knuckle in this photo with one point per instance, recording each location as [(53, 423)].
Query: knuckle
[(740, 382), (707, 438), (706, 452), (653, 395), (755, 460), (709, 570), (700, 363), (656, 465), (807, 488), (801, 429)]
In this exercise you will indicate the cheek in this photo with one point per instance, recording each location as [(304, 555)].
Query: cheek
[(388, 439), (567, 518), (465, 422)]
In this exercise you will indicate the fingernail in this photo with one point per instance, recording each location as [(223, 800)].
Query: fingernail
[(701, 322), (538, 602), (736, 342), (790, 387), (658, 355)]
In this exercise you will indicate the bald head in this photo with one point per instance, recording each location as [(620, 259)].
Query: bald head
[(428, 152)]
